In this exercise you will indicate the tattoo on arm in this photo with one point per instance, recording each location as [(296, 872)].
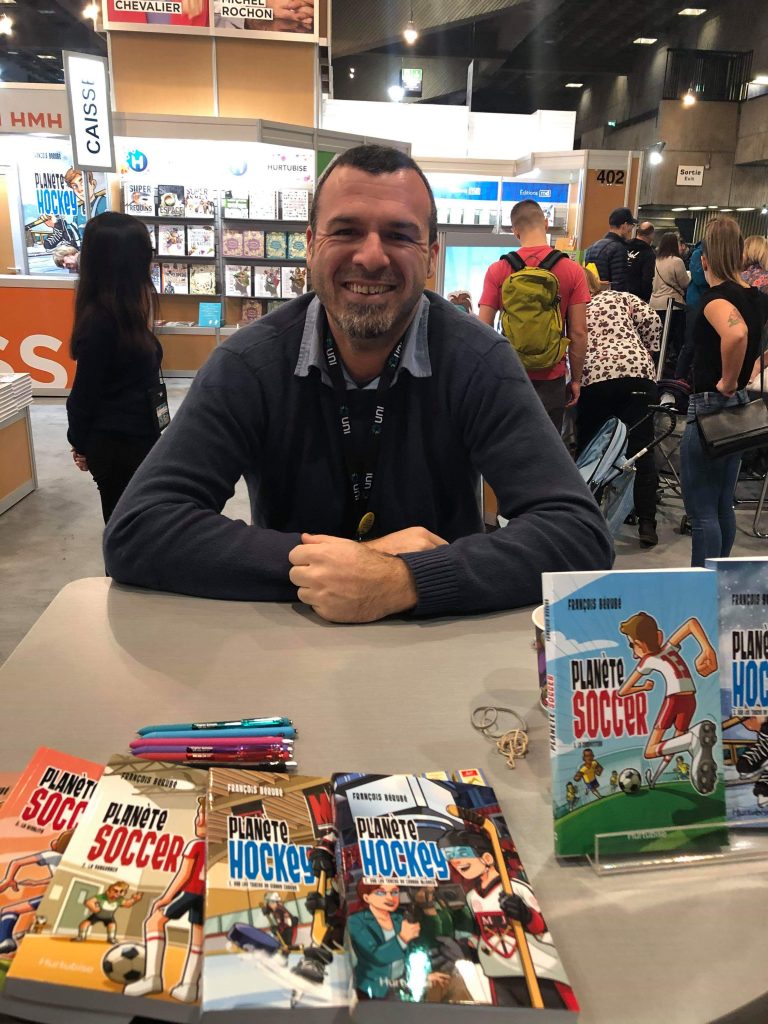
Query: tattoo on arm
[(734, 317)]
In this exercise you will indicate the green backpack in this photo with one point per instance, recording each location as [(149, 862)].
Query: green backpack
[(530, 315)]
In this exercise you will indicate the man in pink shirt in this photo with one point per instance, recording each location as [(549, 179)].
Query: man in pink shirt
[(530, 226)]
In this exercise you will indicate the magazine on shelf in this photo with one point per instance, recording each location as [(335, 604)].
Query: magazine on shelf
[(155, 276), (202, 279), (294, 204), (267, 282), (175, 278), (170, 240), (253, 244), (742, 591), (238, 280), (274, 304), (199, 202), (297, 245), (294, 281), (441, 917), (152, 232), (262, 205), (138, 198), (170, 200), (201, 240), (274, 925), (134, 875), (250, 310), (232, 242), (235, 206), (275, 245), (38, 817), (634, 688)]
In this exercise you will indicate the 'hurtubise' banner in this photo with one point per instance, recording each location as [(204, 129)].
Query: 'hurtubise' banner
[(268, 19)]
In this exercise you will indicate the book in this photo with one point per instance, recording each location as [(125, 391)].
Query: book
[(274, 926), (201, 240), (262, 205), (632, 673), (742, 594), (294, 204), (297, 245), (275, 245), (37, 820), (170, 200), (155, 277), (175, 279), (253, 244), (232, 242), (267, 282), (170, 240), (235, 205), (202, 279), (152, 232), (138, 198), (273, 305), (199, 202), (7, 781), (238, 280), (250, 310), (294, 281), (209, 314), (141, 844), (439, 907)]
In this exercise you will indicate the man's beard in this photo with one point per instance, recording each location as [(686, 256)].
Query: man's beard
[(361, 322)]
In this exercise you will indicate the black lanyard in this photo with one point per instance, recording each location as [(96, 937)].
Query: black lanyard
[(361, 475)]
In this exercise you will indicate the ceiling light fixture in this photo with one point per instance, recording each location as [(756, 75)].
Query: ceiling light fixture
[(726, 209), (764, 210), (574, 85), (692, 12), (45, 56), (744, 209), (655, 157), (759, 80), (410, 34), (711, 207), (697, 207), (91, 11), (679, 209), (6, 26), (644, 41), (396, 93), (689, 100)]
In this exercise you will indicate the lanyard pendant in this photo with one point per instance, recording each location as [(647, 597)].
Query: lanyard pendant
[(365, 525)]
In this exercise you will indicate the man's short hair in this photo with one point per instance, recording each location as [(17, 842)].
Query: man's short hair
[(642, 627), (526, 214), (375, 160), (646, 229)]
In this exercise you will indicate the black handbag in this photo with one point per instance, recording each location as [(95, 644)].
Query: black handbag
[(158, 401)]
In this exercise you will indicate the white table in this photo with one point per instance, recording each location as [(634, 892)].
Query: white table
[(671, 947)]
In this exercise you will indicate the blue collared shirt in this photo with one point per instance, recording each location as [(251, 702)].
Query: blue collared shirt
[(414, 358)]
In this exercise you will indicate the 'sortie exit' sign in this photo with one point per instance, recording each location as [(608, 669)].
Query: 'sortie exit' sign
[(687, 175)]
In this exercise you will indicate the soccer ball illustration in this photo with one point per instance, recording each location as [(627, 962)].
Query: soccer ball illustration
[(124, 963), (630, 780)]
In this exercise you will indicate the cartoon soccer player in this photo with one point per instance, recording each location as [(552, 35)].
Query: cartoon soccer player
[(282, 923), (102, 910), (681, 768), (184, 896), (654, 655), (571, 795), (470, 854), (10, 914), (589, 772), (614, 781)]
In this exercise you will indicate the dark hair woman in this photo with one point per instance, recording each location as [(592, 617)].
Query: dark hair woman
[(112, 419), (670, 281), (727, 335)]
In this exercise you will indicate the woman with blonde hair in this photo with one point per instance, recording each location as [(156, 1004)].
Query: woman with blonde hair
[(755, 263), (727, 336)]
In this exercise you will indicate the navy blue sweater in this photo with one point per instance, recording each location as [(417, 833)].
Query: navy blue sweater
[(248, 414)]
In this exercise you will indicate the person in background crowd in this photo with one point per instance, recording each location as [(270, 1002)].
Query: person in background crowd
[(685, 252), (619, 381), (670, 280), (112, 423), (726, 345), (365, 412), (530, 225), (641, 262), (755, 264), (462, 299), (610, 254), (698, 285)]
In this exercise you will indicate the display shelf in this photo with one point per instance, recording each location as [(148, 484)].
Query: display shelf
[(197, 329), (186, 259), (285, 225), (154, 219), (279, 261)]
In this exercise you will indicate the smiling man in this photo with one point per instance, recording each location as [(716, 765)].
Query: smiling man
[(361, 418)]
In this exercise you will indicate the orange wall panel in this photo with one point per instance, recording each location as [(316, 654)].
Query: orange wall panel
[(35, 326)]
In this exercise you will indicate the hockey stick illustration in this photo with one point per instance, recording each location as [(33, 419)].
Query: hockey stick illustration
[(489, 828)]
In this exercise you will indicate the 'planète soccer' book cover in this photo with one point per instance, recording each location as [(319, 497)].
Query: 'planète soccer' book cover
[(742, 587), (440, 911), (634, 688), (37, 820), (274, 926), (123, 918)]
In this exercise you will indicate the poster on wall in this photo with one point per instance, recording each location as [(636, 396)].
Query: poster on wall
[(52, 196), (253, 19)]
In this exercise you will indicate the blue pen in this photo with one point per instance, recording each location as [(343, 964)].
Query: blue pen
[(245, 723), (269, 730)]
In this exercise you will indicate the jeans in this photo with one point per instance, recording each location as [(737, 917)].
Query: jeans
[(708, 484), (112, 460)]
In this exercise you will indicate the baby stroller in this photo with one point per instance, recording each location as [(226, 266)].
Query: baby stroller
[(607, 471)]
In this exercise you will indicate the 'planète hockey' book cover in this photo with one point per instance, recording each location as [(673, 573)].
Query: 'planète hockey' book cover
[(634, 688), (441, 918), (274, 926), (37, 820), (123, 918), (742, 588)]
